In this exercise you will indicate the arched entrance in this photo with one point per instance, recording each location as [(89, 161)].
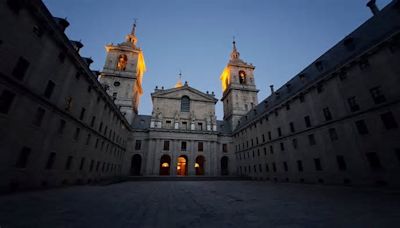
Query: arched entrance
[(181, 167), (165, 165), (199, 165), (224, 166), (136, 165)]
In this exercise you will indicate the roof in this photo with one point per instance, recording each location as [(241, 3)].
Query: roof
[(374, 30), (141, 122), (207, 96)]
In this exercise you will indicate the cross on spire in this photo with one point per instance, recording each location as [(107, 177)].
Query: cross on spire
[(134, 26)]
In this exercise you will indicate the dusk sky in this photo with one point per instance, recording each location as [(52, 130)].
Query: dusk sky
[(279, 37)]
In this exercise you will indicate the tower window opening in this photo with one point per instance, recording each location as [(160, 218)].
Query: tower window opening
[(242, 77), (122, 61), (185, 104)]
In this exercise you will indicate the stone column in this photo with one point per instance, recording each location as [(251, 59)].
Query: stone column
[(174, 157), (150, 157), (191, 159)]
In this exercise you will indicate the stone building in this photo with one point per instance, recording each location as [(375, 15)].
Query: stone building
[(336, 122), (57, 123)]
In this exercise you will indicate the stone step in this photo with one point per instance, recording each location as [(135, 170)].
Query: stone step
[(185, 178)]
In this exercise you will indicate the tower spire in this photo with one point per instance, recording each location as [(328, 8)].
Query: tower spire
[(134, 27), (179, 83), (235, 54)]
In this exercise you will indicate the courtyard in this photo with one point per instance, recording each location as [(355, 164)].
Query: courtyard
[(202, 204)]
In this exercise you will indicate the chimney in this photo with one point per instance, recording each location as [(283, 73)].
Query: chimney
[(372, 6), (272, 89)]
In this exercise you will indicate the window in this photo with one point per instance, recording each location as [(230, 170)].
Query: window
[(117, 83), (274, 167), (91, 165), (185, 104), (184, 125), (341, 163), (279, 131), (38, 116), (82, 163), (183, 146), (282, 146), (266, 168), (311, 140), (68, 103), (23, 158), (77, 132), (301, 98), (353, 104), (200, 126), (61, 126), (299, 166), (389, 121), (68, 164), (333, 134), (397, 153), (122, 61), (82, 115), (6, 100), (20, 68), (271, 149), (377, 95), (88, 139), (49, 89), (138, 144), (166, 145), (317, 163), (263, 137), (224, 147), (50, 160), (92, 121), (307, 120), (242, 77), (168, 124), (200, 146), (327, 114), (291, 125), (373, 161), (269, 136), (61, 56), (114, 95), (361, 127), (294, 143), (285, 166)]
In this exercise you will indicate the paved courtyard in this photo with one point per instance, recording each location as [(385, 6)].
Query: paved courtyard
[(202, 204)]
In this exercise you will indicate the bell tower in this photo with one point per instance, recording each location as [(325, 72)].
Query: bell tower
[(123, 73), (238, 88)]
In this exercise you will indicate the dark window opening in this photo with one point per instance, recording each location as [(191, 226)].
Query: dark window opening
[(353, 104), (389, 121), (224, 147), (307, 120), (317, 163), (49, 89), (185, 104), (299, 166), (50, 160), (38, 119), (361, 127), (327, 114), (6, 100), (200, 146), (20, 68), (183, 146), (68, 164), (311, 140), (138, 144), (333, 134), (166, 145), (377, 95), (23, 158), (341, 163), (373, 161)]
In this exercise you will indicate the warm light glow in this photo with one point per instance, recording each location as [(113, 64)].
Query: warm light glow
[(178, 84), (196, 165), (178, 167), (140, 69), (165, 165), (225, 78)]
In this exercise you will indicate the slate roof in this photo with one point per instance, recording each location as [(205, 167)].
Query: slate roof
[(373, 31)]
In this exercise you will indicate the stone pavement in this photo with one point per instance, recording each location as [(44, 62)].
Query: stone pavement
[(202, 204)]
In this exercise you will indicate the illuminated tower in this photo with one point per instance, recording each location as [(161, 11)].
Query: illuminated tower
[(238, 87), (122, 74)]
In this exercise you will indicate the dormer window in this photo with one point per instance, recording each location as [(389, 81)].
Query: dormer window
[(319, 65), (242, 77), (302, 77), (122, 61)]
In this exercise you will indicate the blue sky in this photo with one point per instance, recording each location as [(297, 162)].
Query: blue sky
[(279, 37)]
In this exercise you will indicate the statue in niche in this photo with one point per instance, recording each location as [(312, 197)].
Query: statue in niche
[(192, 116), (122, 61)]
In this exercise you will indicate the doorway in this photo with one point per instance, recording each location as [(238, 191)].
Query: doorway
[(181, 168), (224, 166), (199, 165), (165, 165), (136, 165)]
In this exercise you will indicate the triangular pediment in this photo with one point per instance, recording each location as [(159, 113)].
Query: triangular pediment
[(178, 93)]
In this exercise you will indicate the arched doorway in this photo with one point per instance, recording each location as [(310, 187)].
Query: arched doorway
[(224, 166), (165, 165), (199, 165), (136, 165), (181, 167)]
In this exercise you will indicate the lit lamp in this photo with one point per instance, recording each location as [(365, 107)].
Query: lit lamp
[(196, 165), (178, 167), (165, 165)]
